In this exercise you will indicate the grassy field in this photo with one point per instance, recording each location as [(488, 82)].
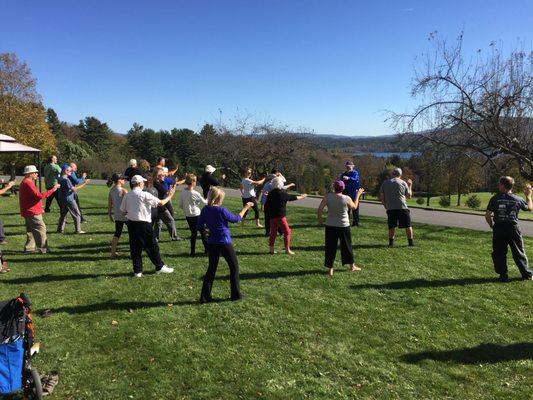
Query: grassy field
[(428, 322), (483, 196)]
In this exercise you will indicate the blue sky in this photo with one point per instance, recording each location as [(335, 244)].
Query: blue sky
[(329, 66)]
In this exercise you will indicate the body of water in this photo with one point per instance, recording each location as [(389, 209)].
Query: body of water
[(386, 154)]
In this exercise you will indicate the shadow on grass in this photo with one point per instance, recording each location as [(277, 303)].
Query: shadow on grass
[(355, 247), (120, 306), (424, 283), (487, 353), (58, 257), (273, 275), (61, 278)]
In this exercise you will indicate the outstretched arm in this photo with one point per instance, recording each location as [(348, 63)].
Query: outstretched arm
[(355, 203), (527, 192), (76, 188), (7, 187)]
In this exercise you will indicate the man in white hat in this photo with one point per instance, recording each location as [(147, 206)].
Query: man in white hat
[(137, 207), (207, 180), (32, 209)]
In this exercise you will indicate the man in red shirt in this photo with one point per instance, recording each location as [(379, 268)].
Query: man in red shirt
[(32, 209)]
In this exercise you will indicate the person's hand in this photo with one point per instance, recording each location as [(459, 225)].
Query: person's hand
[(84, 175), (57, 186), (528, 190), (345, 178), (409, 182), (360, 191), (304, 195), (223, 176), (87, 180), (10, 184), (249, 204)]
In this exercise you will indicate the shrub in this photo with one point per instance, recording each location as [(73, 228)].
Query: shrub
[(473, 202), (420, 200), (444, 201)]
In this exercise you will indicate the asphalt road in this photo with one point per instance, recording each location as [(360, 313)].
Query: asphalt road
[(442, 218)]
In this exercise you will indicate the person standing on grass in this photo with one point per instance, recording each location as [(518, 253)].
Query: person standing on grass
[(264, 194), (338, 225), (137, 208), (52, 171), (77, 181), (350, 177), (502, 217), (67, 200), (116, 194), (190, 202), (215, 218), (393, 195), (248, 193), (276, 204), (31, 209), (2, 232), (162, 162), (132, 170), (207, 180), (164, 214)]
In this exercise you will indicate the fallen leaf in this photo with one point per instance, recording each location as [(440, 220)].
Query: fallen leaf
[(114, 322)]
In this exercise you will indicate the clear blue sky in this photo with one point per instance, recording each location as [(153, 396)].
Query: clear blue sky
[(330, 66)]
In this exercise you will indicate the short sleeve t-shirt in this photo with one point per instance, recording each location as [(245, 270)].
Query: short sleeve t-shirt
[(248, 189), (505, 207), (395, 190), (116, 196)]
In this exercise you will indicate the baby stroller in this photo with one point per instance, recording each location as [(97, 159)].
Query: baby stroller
[(17, 349)]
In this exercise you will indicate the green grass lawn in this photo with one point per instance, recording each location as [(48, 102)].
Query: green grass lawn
[(428, 322), (483, 196)]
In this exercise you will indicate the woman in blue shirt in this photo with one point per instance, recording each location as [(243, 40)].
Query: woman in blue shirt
[(215, 218)]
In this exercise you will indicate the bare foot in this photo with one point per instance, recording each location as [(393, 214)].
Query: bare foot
[(355, 268), (330, 272), (290, 252), (260, 226)]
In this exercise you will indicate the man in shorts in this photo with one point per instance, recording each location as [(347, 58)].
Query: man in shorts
[(393, 194), (502, 217)]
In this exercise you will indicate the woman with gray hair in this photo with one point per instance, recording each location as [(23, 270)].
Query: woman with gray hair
[(276, 204)]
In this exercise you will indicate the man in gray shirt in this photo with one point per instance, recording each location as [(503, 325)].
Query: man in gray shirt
[(393, 195)]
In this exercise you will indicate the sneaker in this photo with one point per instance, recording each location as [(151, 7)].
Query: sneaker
[(81, 232), (164, 270), (4, 242), (504, 278), (138, 275), (527, 278)]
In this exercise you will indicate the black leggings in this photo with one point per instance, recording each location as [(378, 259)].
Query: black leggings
[(255, 208), (119, 226), (193, 227), (142, 238), (228, 252), (333, 236)]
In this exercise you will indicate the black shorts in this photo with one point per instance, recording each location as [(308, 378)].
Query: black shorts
[(119, 225), (399, 218)]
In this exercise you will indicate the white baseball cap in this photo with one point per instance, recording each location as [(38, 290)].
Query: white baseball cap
[(30, 169), (210, 169), (137, 179)]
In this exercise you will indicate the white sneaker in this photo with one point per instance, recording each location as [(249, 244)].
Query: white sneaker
[(165, 270), (138, 275)]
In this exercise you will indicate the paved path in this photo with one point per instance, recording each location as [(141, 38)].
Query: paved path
[(443, 218)]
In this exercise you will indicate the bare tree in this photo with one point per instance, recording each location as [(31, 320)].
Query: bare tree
[(483, 104)]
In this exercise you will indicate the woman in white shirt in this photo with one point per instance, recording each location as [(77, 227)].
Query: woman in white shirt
[(190, 202), (248, 193)]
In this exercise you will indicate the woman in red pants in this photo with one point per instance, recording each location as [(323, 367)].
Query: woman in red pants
[(277, 208)]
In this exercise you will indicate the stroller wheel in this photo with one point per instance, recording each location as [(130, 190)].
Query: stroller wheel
[(34, 389)]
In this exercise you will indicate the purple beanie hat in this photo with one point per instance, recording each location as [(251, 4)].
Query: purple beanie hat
[(338, 186)]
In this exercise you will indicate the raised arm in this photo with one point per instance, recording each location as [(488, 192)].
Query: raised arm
[(259, 182), (409, 193), (353, 204), (169, 196), (76, 188), (7, 187), (320, 210)]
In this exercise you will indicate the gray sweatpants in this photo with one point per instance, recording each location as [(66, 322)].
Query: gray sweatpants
[(69, 207), (508, 235), (164, 217)]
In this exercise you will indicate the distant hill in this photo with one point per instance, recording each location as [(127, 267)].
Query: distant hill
[(359, 144)]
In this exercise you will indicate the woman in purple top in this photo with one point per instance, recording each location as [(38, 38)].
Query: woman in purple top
[(216, 218)]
